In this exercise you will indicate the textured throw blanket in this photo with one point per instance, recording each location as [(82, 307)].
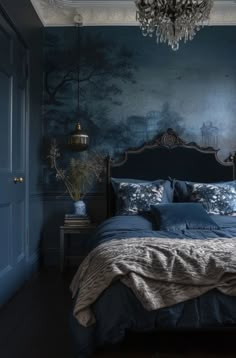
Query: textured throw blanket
[(160, 272)]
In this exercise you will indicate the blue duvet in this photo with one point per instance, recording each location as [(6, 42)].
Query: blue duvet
[(117, 310)]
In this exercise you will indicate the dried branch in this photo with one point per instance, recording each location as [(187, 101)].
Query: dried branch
[(80, 174)]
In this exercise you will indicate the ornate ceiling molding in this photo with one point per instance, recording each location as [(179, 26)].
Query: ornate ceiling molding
[(116, 13)]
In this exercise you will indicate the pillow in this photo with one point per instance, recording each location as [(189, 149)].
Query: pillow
[(134, 198), (182, 189), (182, 216), (168, 189), (216, 199)]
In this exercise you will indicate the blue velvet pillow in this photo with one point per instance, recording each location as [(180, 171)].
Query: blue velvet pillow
[(181, 191), (182, 216)]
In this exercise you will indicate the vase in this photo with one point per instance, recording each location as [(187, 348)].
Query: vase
[(80, 208)]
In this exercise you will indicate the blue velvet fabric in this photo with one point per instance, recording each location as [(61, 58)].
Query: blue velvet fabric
[(181, 216), (118, 310), (181, 191), (224, 221), (125, 227)]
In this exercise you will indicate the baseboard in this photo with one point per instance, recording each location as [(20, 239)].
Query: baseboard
[(33, 264)]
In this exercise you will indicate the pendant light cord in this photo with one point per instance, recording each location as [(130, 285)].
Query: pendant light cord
[(78, 20), (78, 65)]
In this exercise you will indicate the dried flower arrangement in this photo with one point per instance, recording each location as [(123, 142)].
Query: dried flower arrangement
[(80, 174)]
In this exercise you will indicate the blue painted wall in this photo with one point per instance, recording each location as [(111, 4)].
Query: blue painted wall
[(131, 89)]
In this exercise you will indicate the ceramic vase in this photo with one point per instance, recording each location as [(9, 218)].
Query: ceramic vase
[(80, 208)]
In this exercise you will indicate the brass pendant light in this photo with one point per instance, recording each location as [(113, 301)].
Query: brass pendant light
[(78, 139)]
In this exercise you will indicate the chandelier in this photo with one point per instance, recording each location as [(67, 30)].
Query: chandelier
[(172, 20)]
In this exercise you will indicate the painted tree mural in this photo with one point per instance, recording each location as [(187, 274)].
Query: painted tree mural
[(130, 89), (103, 68)]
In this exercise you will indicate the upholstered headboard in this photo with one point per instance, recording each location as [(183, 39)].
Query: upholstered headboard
[(168, 156)]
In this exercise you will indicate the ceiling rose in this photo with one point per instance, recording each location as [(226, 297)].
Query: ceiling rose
[(63, 3), (114, 12)]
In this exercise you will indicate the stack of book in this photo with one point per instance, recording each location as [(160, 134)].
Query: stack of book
[(76, 220)]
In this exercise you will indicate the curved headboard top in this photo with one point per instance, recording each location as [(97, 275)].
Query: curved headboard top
[(168, 156)]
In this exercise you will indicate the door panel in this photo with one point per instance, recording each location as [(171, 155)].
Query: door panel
[(19, 128), (19, 219), (6, 84), (5, 214), (13, 268), (6, 45)]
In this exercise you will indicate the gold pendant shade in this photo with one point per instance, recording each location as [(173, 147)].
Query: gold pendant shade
[(78, 139)]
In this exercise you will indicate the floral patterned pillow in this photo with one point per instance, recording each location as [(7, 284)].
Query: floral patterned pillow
[(137, 198), (218, 200)]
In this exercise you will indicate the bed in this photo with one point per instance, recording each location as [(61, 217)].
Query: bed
[(166, 256)]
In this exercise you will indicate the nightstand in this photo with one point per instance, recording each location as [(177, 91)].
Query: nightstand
[(65, 232)]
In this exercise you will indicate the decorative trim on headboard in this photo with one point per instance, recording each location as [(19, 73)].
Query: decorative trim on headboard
[(168, 139)]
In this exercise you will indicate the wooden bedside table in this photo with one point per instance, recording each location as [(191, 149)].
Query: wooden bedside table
[(64, 231)]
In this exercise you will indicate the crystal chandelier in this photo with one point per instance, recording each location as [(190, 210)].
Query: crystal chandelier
[(172, 20)]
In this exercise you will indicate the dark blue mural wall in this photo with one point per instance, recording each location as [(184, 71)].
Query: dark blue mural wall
[(128, 89)]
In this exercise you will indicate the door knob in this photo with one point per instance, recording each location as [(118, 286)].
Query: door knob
[(18, 180)]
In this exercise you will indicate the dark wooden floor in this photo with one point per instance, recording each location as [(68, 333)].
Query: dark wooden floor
[(34, 324)]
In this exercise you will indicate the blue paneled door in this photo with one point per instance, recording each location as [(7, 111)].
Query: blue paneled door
[(13, 245)]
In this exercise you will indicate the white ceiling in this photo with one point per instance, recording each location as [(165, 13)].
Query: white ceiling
[(115, 12)]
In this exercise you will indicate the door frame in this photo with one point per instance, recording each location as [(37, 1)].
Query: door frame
[(27, 155), (20, 38)]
